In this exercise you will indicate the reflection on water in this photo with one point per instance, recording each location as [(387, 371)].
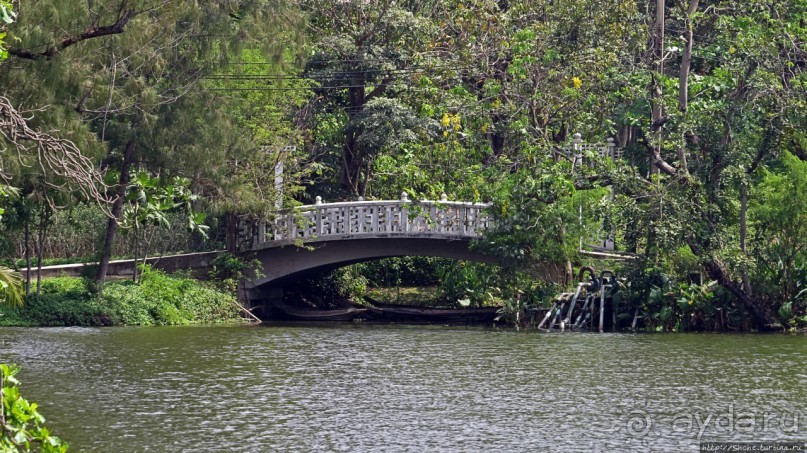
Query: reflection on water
[(390, 387)]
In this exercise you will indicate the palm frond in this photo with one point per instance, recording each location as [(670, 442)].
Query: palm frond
[(11, 292)]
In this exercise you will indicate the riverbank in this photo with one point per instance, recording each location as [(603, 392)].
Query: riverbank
[(158, 299)]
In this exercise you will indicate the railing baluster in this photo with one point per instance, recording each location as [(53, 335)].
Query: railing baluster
[(318, 216), (442, 219)]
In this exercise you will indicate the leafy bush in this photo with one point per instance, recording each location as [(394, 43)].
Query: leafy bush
[(164, 300), (21, 425), (159, 300), (228, 269), (403, 271), (64, 301), (331, 289)]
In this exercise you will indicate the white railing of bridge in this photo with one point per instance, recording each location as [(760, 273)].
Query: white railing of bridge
[(402, 218), (577, 150), (449, 219)]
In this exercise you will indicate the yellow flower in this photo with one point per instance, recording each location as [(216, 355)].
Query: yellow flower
[(577, 83), (446, 120)]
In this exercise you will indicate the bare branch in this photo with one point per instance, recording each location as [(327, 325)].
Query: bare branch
[(62, 157)]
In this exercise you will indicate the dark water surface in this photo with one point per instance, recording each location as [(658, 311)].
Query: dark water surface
[(354, 387)]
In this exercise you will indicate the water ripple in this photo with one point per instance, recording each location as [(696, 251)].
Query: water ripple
[(405, 388)]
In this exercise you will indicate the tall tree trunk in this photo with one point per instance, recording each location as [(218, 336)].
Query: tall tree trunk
[(568, 273), (145, 251), (44, 218), (656, 108), (117, 208), (686, 58), (497, 136), (718, 272), (743, 233), (351, 164), (352, 156), (657, 81), (27, 234), (683, 75), (136, 252)]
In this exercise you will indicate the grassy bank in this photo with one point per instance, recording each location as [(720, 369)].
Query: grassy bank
[(158, 300)]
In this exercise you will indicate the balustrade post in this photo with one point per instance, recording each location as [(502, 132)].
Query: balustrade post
[(577, 150), (404, 212), (442, 215), (276, 233), (261, 231), (291, 227)]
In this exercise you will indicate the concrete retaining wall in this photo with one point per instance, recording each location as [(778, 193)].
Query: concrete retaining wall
[(198, 263)]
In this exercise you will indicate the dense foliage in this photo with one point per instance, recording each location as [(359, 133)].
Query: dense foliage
[(23, 427), (157, 300), (478, 99)]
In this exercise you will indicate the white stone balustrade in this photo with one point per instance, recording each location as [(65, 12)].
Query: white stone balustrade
[(365, 219), (576, 150)]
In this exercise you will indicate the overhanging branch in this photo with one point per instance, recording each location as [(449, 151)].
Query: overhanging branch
[(54, 155), (94, 31)]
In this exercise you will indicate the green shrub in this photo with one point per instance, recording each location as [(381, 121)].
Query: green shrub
[(228, 269), (331, 289), (22, 427), (159, 300), (64, 301), (403, 271), (127, 305)]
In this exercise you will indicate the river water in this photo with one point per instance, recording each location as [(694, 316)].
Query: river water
[(362, 387)]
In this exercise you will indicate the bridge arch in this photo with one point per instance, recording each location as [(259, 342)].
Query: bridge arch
[(330, 235), (290, 262)]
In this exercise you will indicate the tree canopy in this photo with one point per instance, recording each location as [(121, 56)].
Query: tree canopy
[(478, 99)]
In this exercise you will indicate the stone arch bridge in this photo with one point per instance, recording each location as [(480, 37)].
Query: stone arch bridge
[(326, 236), (330, 235)]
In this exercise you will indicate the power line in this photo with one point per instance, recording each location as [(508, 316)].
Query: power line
[(333, 74)]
